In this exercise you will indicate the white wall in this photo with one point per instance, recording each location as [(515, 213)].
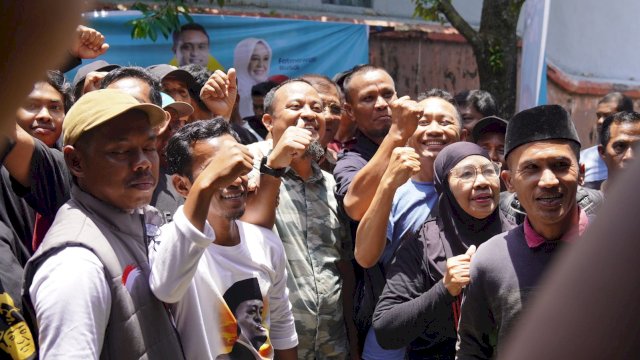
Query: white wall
[(595, 38)]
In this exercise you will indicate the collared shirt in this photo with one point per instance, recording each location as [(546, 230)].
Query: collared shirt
[(314, 238), (337, 146), (595, 168), (534, 239)]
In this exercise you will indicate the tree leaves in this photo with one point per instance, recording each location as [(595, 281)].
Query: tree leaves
[(162, 17), (428, 10)]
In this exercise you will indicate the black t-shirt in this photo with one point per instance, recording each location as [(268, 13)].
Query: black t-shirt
[(15, 213), (50, 181)]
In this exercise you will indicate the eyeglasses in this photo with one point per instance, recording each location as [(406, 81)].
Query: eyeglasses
[(468, 173), (333, 109)]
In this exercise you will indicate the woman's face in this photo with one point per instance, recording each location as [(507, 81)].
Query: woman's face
[(259, 63), (475, 184)]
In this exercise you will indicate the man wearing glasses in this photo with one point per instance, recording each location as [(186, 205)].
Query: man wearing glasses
[(332, 101), (406, 194)]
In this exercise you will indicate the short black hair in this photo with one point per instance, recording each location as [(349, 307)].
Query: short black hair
[(444, 95), (481, 100), (440, 93), (200, 76), (623, 102), (135, 72), (261, 89), (178, 150), (189, 26), (322, 81), (622, 117), (268, 99), (56, 79), (350, 74)]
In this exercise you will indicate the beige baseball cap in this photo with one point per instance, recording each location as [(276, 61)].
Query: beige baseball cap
[(97, 107)]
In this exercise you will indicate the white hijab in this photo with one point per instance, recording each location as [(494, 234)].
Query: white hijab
[(241, 58)]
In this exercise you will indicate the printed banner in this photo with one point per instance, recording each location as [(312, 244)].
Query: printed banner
[(257, 47)]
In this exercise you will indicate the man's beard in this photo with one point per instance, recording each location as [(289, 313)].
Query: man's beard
[(314, 151)]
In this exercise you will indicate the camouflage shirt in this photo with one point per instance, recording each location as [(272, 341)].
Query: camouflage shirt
[(314, 238)]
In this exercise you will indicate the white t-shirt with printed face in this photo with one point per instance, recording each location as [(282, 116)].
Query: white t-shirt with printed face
[(196, 276)]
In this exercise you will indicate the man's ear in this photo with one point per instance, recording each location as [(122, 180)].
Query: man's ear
[(74, 160), (349, 110), (463, 135), (267, 121), (505, 175), (182, 184), (581, 173), (163, 127), (601, 151)]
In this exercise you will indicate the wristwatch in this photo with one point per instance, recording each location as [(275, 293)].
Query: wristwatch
[(264, 169)]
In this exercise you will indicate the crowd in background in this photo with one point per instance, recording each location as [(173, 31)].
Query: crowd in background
[(144, 217)]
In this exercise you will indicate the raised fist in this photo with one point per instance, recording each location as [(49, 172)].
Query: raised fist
[(293, 143), (88, 43), (403, 164), (219, 93), (231, 161), (405, 114)]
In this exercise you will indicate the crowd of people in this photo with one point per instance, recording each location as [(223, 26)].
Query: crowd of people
[(144, 217)]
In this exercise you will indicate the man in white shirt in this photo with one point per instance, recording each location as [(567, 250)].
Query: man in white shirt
[(207, 252)]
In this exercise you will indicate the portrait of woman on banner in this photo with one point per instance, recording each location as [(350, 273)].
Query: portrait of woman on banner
[(251, 59)]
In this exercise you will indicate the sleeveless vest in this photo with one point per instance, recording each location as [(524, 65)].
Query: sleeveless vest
[(139, 326)]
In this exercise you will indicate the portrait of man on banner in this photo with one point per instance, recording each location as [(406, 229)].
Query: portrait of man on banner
[(191, 46)]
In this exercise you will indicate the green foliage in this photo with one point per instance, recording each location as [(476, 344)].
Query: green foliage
[(495, 58), (428, 10), (161, 17)]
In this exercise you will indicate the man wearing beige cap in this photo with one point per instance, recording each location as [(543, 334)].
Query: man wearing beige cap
[(88, 282)]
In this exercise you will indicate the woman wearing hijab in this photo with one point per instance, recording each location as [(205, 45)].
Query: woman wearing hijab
[(251, 59), (419, 306)]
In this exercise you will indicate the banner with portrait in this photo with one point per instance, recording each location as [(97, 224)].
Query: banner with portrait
[(258, 48)]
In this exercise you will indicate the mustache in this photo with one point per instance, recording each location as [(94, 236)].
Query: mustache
[(142, 177)]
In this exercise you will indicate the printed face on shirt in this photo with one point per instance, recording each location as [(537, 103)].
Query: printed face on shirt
[(478, 194), (42, 113), (437, 128), (545, 176), (192, 47), (620, 150), (230, 201), (117, 162), (370, 94), (249, 317)]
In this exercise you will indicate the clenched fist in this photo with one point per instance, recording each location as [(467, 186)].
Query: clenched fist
[(403, 164), (88, 43), (457, 275), (293, 143), (405, 114), (219, 93), (231, 161)]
